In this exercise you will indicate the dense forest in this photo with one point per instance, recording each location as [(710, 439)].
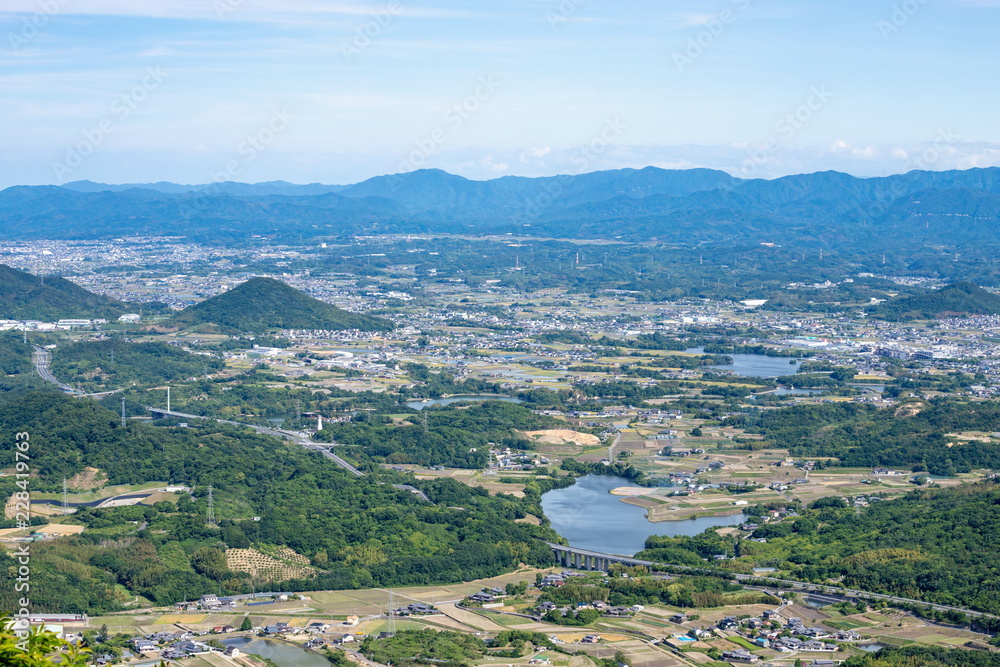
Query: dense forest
[(356, 532), (961, 299), (261, 304), (113, 363), (452, 436), (27, 297), (937, 545), (912, 436), (924, 656), (17, 373)]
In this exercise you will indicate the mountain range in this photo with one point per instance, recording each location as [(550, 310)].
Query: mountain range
[(683, 207)]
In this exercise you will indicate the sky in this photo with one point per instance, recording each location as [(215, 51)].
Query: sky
[(330, 91)]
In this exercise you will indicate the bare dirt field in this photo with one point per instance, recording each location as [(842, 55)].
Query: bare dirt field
[(564, 436)]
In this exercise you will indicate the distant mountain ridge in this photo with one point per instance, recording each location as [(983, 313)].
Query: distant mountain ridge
[(692, 206), (24, 296), (265, 303), (961, 299)]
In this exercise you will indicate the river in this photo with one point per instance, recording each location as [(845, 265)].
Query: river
[(590, 517)]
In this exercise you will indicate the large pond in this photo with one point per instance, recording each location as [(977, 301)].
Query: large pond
[(590, 517), (420, 405), (283, 654), (755, 365)]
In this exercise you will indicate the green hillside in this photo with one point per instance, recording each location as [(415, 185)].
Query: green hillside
[(955, 300), (357, 532), (264, 303), (934, 544), (105, 364), (27, 297)]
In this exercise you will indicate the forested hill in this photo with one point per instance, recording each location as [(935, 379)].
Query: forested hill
[(260, 304), (936, 544), (27, 297), (356, 532), (860, 435), (96, 365), (17, 373), (956, 300)]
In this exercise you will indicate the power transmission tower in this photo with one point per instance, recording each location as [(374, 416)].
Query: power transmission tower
[(210, 519), (392, 615), (123, 413), (65, 503)]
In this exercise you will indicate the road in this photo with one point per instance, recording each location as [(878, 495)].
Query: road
[(41, 358), (788, 584), (298, 439)]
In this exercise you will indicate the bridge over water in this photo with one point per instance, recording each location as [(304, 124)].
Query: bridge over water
[(582, 559)]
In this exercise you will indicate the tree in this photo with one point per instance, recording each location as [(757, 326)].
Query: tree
[(247, 624), (696, 432), (35, 648)]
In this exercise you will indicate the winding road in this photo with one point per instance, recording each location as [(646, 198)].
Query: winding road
[(41, 359)]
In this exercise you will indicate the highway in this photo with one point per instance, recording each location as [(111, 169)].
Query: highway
[(322, 448), (41, 358)]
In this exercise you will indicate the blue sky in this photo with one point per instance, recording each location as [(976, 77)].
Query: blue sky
[(335, 92)]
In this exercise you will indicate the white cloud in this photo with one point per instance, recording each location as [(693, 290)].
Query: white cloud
[(488, 162), (237, 10)]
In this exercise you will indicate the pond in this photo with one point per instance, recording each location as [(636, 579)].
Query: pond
[(420, 405), (283, 654), (796, 391), (755, 365), (872, 648), (815, 603), (590, 517)]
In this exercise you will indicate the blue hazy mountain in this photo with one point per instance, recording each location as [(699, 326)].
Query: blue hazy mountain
[(676, 206)]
